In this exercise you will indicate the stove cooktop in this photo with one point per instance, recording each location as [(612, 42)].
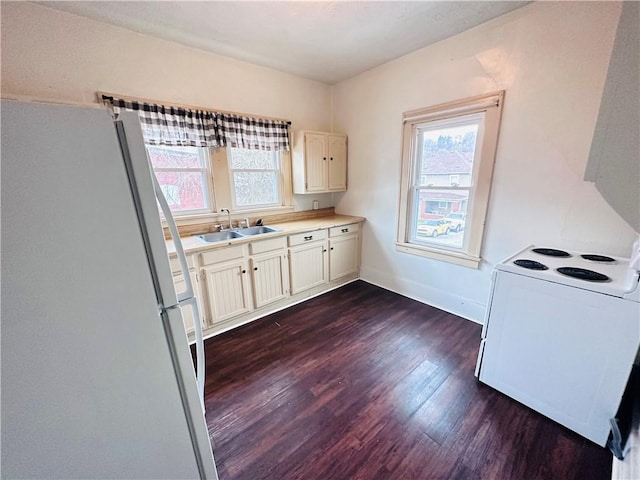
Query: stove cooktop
[(589, 271)]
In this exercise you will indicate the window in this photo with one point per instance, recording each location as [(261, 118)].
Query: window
[(448, 155), (255, 178), (184, 177), (237, 178)]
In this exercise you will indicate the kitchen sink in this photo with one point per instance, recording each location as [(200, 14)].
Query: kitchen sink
[(220, 236), (258, 230), (240, 233)]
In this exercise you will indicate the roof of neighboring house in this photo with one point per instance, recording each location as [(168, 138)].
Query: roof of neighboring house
[(444, 162), (432, 196)]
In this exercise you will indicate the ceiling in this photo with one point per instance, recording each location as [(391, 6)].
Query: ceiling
[(327, 41)]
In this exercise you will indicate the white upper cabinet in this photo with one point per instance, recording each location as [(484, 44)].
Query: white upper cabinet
[(319, 162), (337, 152)]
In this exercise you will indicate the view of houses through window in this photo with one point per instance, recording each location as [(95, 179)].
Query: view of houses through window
[(182, 173), (443, 180)]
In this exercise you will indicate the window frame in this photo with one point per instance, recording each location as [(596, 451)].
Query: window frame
[(207, 171), (490, 106), (279, 187)]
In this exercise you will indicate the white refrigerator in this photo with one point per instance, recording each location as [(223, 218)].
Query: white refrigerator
[(97, 375)]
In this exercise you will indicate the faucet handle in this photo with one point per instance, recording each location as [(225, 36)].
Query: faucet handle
[(218, 226)]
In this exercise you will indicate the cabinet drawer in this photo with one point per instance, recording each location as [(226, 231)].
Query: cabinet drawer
[(175, 263), (267, 245), (221, 255), (344, 230), (307, 237)]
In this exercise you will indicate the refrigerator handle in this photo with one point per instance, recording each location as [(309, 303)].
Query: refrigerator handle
[(164, 206), (188, 296)]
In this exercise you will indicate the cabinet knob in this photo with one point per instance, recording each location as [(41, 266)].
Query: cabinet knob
[(244, 271), (255, 268), (326, 250), (331, 248), (324, 158), (331, 158)]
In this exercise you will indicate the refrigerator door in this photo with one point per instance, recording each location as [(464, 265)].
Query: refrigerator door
[(140, 175), (89, 384), (146, 192), (174, 328)]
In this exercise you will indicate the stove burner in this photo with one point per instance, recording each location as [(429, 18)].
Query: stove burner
[(530, 264), (583, 274), (551, 252), (598, 258)]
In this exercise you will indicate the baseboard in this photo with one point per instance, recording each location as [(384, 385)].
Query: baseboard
[(456, 305)]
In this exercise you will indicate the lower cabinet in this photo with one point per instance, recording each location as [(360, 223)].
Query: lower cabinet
[(233, 283), (343, 251), (308, 261), (226, 276), (269, 271), (188, 313)]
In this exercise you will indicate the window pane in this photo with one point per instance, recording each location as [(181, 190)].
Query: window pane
[(447, 156), (440, 217), (183, 190), (242, 158), (175, 157), (255, 188)]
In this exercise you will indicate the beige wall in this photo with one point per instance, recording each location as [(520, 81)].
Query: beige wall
[(49, 54), (552, 59)]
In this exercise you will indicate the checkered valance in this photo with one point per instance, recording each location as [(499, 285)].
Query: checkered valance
[(174, 126), (253, 133), (171, 126)]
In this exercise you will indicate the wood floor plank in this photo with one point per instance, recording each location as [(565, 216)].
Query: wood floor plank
[(362, 383)]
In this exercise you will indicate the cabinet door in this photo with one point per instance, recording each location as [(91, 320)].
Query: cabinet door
[(315, 157), (227, 289), (187, 312), (198, 292), (343, 256), (270, 279), (308, 266), (337, 150)]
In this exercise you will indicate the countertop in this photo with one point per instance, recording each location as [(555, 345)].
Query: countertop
[(193, 244)]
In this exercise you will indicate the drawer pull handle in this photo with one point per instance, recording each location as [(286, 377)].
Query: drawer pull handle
[(310, 237), (345, 230)]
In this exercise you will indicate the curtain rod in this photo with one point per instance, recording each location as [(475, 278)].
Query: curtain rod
[(109, 96)]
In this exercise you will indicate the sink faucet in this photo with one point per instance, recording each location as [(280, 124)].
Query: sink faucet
[(228, 215)]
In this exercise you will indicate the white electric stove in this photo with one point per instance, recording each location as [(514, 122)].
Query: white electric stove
[(561, 332)]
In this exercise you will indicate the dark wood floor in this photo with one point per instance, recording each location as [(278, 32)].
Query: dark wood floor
[(361, 383)]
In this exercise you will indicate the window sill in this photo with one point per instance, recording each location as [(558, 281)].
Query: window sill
[(456, 258)]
